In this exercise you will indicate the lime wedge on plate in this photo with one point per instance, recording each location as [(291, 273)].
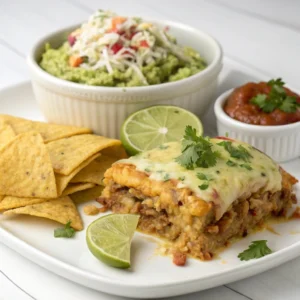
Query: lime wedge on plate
[(150, 127), (109, 238)]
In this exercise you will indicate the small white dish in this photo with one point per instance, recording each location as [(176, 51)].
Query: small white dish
[(104, 109), (281, 142)]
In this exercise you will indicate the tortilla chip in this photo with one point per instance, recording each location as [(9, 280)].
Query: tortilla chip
[(6, 133), (61, 210), (63, 180), (10, 202), (117, 151), (49, 132), (94, 172), (76, 187), (67, 154), (26, 169), (1, 197), (87, 195)]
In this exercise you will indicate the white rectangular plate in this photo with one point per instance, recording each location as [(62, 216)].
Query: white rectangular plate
[(151, 276)]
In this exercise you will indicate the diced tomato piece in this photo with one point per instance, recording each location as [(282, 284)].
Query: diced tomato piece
[(116, 47), (144, 44), (71, 40), (179, 259), (167, 28), (75, 61)]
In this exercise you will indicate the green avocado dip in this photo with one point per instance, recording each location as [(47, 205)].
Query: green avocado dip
[(115, 51)]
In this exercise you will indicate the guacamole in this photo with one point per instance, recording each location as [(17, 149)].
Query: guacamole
[(116, 51)]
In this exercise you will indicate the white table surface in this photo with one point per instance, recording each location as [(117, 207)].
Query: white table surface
[(263, 34)]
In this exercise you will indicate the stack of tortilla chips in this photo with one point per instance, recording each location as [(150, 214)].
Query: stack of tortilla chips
[(46, 168)]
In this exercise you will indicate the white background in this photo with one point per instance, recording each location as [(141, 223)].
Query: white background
[(262, 34)]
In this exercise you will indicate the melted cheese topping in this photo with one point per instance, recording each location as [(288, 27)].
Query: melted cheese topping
[(224, 183)]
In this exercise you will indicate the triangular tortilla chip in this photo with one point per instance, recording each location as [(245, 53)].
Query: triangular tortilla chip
[(76, 187), (63, 180), (87, 195), (10, 202), (26, 169), (6, 133), (117, 151), (61, 210), (94, 172), (49, 132), (67, 154)]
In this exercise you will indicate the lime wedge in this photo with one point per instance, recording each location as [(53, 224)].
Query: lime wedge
[(109, 238), (150, 127)]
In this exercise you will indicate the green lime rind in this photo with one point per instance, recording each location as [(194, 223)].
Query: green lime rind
[(109, 238), (152, 126)]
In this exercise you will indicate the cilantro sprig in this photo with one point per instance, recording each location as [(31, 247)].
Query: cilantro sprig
[(257, 249), (66, 232), (196, 151), (239, 152), (277, 99)]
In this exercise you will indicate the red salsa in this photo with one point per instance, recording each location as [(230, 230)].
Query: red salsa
[(239, 106)]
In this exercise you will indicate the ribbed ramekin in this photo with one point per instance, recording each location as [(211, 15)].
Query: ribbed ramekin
[(103, 109), (282, 142)]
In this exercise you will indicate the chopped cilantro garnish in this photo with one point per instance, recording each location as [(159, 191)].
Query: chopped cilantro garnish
[(147, 170), (263, 174), (163, 147), (66, 232), (277, 99), (201, 176), (196, 151), (230, 163), (257, 249), (246, 166), (166, 177), (182, 178), (203, 186), (239, 152)]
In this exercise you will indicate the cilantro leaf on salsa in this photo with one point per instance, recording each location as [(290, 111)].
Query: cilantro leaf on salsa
[(277, 99), (196, 151), (277, 82), (289, 104), (257, 249), (66, 232)]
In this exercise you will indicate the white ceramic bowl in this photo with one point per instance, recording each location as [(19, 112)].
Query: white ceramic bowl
[(103, 109), (282, 142)]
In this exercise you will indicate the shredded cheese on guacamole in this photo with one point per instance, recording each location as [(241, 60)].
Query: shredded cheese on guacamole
[(112, 50)]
